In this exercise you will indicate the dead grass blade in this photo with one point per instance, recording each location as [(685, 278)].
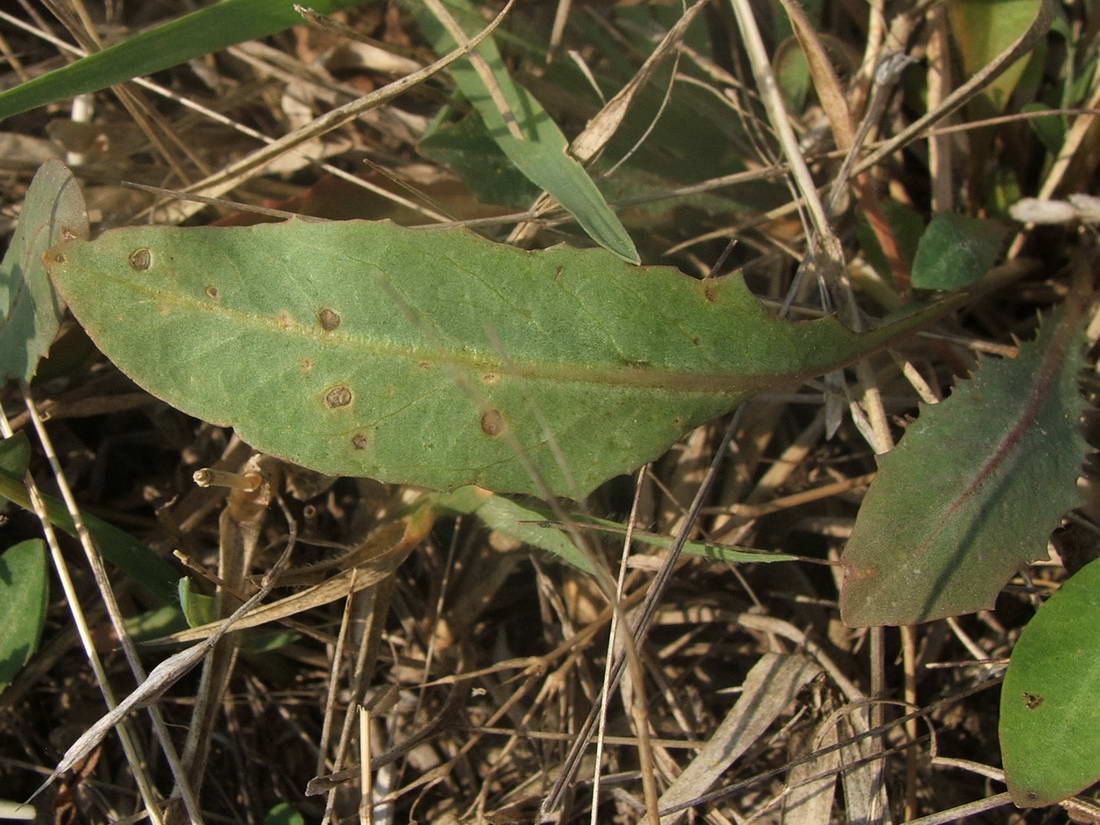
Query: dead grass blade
[(769, 688), (377, 558)]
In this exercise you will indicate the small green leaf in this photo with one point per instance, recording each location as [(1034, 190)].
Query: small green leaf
[(207, 30), (15, 454), (428, 356), (198, 608), (1050, 717), (30, 311), (542, 155), (284, 814), (793, 73), (984, 29), (907, 225), (974, 489), (24, 591), (956, 251), (1050, 130)]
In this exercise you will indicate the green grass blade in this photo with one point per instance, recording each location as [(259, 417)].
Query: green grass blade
[(201, 32), (147, 569), (542, 154)]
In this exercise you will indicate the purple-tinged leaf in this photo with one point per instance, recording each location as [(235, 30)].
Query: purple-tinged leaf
[(974, 490)]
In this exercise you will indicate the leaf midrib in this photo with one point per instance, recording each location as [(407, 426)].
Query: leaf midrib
[(703, 383)]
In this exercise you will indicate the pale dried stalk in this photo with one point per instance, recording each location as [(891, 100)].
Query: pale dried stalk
[(106, 592), (218, 117), (772, 98), (161, 678)]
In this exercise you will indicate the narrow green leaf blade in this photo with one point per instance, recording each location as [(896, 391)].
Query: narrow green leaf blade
[(145, 567), (31, 311), (428, 356), (207, 30), (956, 251), (973, 491), (1050, 719), (542, 154), (515, 520), (24, 591)]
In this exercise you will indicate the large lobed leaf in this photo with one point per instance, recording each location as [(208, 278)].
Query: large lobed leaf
[(973, 491), (1050, 719), (431, 357), (30, 311)]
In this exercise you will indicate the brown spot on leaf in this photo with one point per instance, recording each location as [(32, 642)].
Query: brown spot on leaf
[(329, 319), (1032, 700), (284, 320), (338, 396), (708, 293), (308, 364), (425, 365), (490, 378), (212, 292), (359, 441), (491, 423), (141, 259), (67, 234), (59, 258)]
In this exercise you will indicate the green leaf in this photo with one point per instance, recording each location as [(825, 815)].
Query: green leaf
[(1050, 130), (907, 225), (467, 150), (974, 489), (284, 814), (198, 608), (793, 73), (146, 568), (542, 155), (207, 30), (428, 356), (30, 311), (984, 29), (956, 251), (15, 454), (24, 591), (1050, 718)]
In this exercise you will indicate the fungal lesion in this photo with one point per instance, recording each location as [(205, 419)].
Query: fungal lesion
[(492, 423), (141, 259), (211, 292), (329, 319), (1032, 700), (338, 396)]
